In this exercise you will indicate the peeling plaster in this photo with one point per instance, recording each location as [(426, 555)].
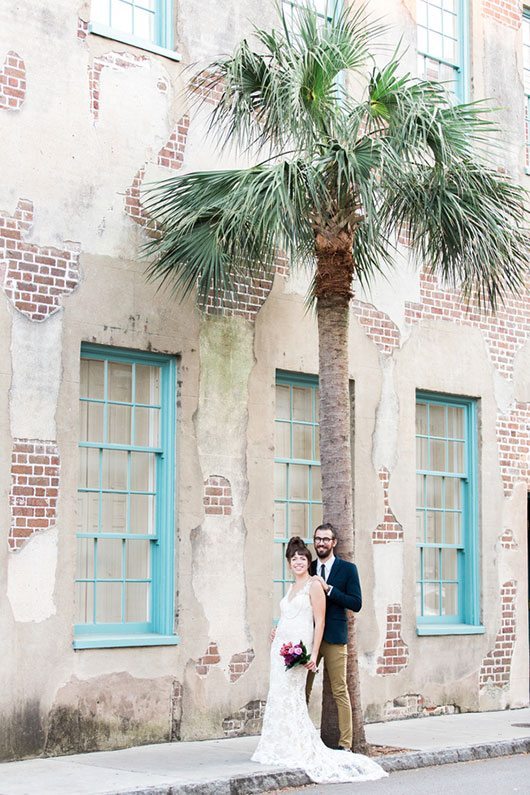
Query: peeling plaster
[(31, 578)]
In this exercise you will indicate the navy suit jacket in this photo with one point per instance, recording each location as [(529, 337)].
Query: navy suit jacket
[(345, 595)]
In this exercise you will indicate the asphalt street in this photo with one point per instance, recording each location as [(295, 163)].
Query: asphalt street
[(484, 777)]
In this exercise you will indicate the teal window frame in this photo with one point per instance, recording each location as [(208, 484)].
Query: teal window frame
[(467, 619), (459, 65), (526, 83), (159, 630), (162, 42), (307, 381)]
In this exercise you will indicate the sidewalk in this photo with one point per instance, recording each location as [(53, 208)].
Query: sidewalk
[(223, 767)]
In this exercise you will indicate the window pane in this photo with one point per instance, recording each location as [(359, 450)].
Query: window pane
[(147, 384), (421, 418), (449, 564), (431, 595), (91, 422), (92, 379), (456, 457), (121, 18), (302, 404), (120, 382), (137, 601), (115, 469), (146, 430), (278, 552), (435, 45), (434, 527), (435, 18), (282, 440), (422, 453), (109, 559), (437, 420), (85, 558), (143, 472), (418, 599), (433, 491), (280, 524), (88, 512), (119, 424), (142, 513), (298, 520), (316, 517), (317, 444), (137, 557), (108, 602), (437, 462), (449, 599), (283, 402), (298, 482), (280, 481), (88, 468), (453, 493), (431, 564), (453, 528), (144, 24), (316, 484), (113, 513), (303, 442), (84, 603), (419, 491), (421, 12)]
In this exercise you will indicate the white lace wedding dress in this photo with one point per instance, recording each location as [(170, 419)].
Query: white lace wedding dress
[(288, 737)]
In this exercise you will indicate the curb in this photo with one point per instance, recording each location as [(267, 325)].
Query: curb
[(274, 781), (448, 756)]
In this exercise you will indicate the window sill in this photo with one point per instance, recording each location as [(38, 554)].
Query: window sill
[(117, 641), (450, 629), (108, 33)]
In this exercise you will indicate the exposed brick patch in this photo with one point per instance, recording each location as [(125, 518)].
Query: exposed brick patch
[(12, 82), (210, 658), (497, 664), (389, 529), (34, 277), (240, 663), (162, 85), (217, 498), (118, 61), (172, 153), (246, 721), (35, 467), (507, 539), (507, 12), (513, 438), (412, 705), (208, 86), (282, 265), (82, 29), (395, 650), (249, 295), (504, 333), (404, 236), (133, 205), (377, 326)]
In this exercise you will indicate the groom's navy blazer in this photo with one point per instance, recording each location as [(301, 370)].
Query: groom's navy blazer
[(345, 595)]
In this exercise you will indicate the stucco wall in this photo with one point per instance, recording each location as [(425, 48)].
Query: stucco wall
[(95, 121)]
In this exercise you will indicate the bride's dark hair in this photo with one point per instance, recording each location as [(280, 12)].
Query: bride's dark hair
[(297, 546)]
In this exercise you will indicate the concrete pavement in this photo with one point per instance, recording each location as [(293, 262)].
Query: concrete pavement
[(223, 767)]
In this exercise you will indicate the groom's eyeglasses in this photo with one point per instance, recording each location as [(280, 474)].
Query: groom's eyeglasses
[(318, 540)]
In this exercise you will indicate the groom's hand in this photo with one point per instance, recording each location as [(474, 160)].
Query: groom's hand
[(322, 582)]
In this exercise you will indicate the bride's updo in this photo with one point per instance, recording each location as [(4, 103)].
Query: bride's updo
[(297, 546)]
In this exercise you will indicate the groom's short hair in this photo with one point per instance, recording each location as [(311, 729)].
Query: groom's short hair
[(326, 526)]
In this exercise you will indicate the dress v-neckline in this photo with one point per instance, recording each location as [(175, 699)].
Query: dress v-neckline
[(295, 594)]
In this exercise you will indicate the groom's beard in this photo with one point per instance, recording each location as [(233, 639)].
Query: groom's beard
[(323, 554)]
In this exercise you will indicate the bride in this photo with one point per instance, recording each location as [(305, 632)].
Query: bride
[(288, 737)]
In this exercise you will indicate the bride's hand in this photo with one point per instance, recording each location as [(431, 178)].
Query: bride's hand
[(312, 665)]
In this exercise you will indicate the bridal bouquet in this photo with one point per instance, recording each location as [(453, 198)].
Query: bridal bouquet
[(294, 654)]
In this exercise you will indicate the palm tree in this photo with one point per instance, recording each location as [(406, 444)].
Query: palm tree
[(339, 177)]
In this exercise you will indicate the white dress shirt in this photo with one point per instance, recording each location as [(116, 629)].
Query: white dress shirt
[(327, 567)]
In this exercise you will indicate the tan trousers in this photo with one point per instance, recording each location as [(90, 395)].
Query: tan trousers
[(335, 657)]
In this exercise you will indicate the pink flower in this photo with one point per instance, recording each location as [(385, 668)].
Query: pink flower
[(297, 651)]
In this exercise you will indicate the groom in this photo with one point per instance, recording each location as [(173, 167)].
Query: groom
[(340, 582)]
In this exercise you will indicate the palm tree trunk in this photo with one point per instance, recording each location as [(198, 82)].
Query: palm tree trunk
[(335, 451)]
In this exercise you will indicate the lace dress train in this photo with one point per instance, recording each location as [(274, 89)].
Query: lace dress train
[(288, 737)]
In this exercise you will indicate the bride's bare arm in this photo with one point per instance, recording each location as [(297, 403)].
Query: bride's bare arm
[(318, 603)]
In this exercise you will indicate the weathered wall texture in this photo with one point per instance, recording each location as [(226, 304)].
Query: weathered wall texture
[(86, 122)]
